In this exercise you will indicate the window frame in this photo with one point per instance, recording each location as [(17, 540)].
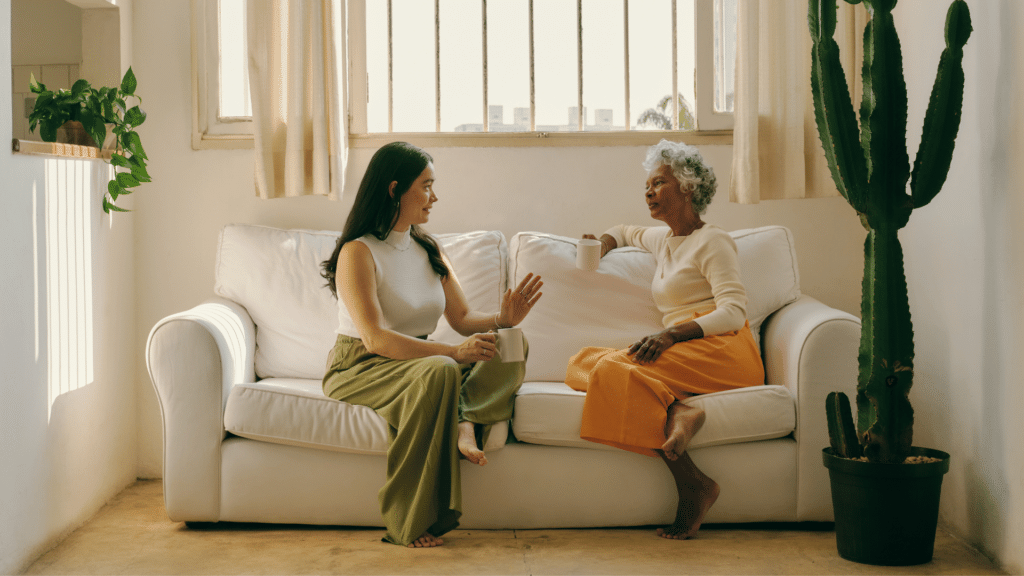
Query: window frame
[(209, 131)]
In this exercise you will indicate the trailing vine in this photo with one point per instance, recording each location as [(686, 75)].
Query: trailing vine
[(95, 109)]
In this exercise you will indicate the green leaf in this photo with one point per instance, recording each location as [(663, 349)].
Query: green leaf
[(126, 180), (119, 160), (108, 206), (134, 145), (34, 85), (128, 83), (138, 168), (48, 131), (80, 87), (135, 116), (114, 189)]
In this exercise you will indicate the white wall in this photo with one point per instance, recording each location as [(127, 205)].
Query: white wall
[(964, 255), (559, 190), (67, 347)]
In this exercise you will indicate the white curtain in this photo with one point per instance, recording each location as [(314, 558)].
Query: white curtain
[(297, 77), (776, 150)]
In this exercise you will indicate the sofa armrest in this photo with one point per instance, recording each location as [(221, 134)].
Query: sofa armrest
[(811, 349), (194, 359)]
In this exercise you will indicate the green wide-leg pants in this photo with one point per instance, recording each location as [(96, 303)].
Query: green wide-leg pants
[(422, 400)]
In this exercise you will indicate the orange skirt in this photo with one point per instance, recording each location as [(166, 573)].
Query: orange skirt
[(627, 403)]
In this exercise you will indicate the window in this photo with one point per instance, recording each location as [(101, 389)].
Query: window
[(222, 114), (480, 72)]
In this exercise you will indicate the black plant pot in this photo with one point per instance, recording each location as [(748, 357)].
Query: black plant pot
[(886, 514)]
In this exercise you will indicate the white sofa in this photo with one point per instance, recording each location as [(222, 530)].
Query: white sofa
[(249, 436)]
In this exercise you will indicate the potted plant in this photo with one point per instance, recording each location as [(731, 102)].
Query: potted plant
[(886, 507), (81, 115)]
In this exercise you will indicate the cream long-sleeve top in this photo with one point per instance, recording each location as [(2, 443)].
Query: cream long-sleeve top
[(410, 293), (695, 273)]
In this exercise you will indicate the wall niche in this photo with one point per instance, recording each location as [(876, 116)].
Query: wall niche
[(59, 42)]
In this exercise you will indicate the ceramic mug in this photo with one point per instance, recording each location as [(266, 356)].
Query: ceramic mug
[(588, 254), (510, 345)]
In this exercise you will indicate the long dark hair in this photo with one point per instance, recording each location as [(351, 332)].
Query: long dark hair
[(375, 211)]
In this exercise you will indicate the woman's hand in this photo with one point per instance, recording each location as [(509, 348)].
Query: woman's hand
[(607, 242), (516, 304), (477, 348), (649, 348)]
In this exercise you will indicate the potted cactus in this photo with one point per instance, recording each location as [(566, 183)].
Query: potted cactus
[(886, 509)]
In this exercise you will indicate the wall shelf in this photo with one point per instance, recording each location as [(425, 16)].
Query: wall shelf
[(36, 148)]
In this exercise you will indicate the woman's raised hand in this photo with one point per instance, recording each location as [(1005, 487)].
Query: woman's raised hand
[(516, 304), (477, 348)]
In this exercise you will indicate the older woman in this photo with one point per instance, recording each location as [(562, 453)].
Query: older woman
[(634, 396), (394, 283)]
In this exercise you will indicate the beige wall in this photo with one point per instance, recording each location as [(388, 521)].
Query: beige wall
[(67, 344), (964, 255)]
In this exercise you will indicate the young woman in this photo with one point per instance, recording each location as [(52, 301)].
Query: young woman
[(634, 395), (393, 284)]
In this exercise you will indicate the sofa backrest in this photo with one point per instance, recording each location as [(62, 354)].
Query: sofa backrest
[(613, 306), (275, 275)]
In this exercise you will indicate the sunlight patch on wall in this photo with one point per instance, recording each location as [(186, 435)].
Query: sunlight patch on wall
[(69, 297)]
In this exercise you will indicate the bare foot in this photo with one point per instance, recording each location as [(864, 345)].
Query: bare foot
[(697, 494), (428, 540), (467, 444), (681, 426)]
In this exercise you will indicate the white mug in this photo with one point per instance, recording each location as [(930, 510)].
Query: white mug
[(510, 345), (588, 254)]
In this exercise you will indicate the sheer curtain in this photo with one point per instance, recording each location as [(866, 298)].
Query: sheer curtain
[(297, 79), (776, 150)]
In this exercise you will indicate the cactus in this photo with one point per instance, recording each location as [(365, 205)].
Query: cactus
[(870, 166), (841, 432)]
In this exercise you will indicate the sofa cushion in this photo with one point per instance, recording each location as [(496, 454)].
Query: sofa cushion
[(295, 411), (613, 306), (275, 275), (480, 260), (550, 413)]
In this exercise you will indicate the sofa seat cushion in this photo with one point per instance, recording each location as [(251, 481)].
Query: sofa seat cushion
[(294, 411), (550, 413)]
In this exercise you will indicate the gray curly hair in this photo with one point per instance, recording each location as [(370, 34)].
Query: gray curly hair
[(689, 169)]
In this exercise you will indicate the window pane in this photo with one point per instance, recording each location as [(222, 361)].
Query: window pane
[(234, 57), (508, 65), (462, 80), (413, 66), (555, 66), (650, 63), (604, 90), (376, 66), (725, 54), (687, 62)]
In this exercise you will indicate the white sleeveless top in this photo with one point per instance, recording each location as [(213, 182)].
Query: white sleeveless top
[(409, 291)]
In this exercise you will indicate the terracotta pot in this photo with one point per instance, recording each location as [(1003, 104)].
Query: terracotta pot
[(73, 132)]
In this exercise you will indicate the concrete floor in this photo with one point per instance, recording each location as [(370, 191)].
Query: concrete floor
[(132, 535)]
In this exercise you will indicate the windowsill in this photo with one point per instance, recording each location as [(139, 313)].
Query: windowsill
[(496, 139), (539, 139), (36, 148)]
